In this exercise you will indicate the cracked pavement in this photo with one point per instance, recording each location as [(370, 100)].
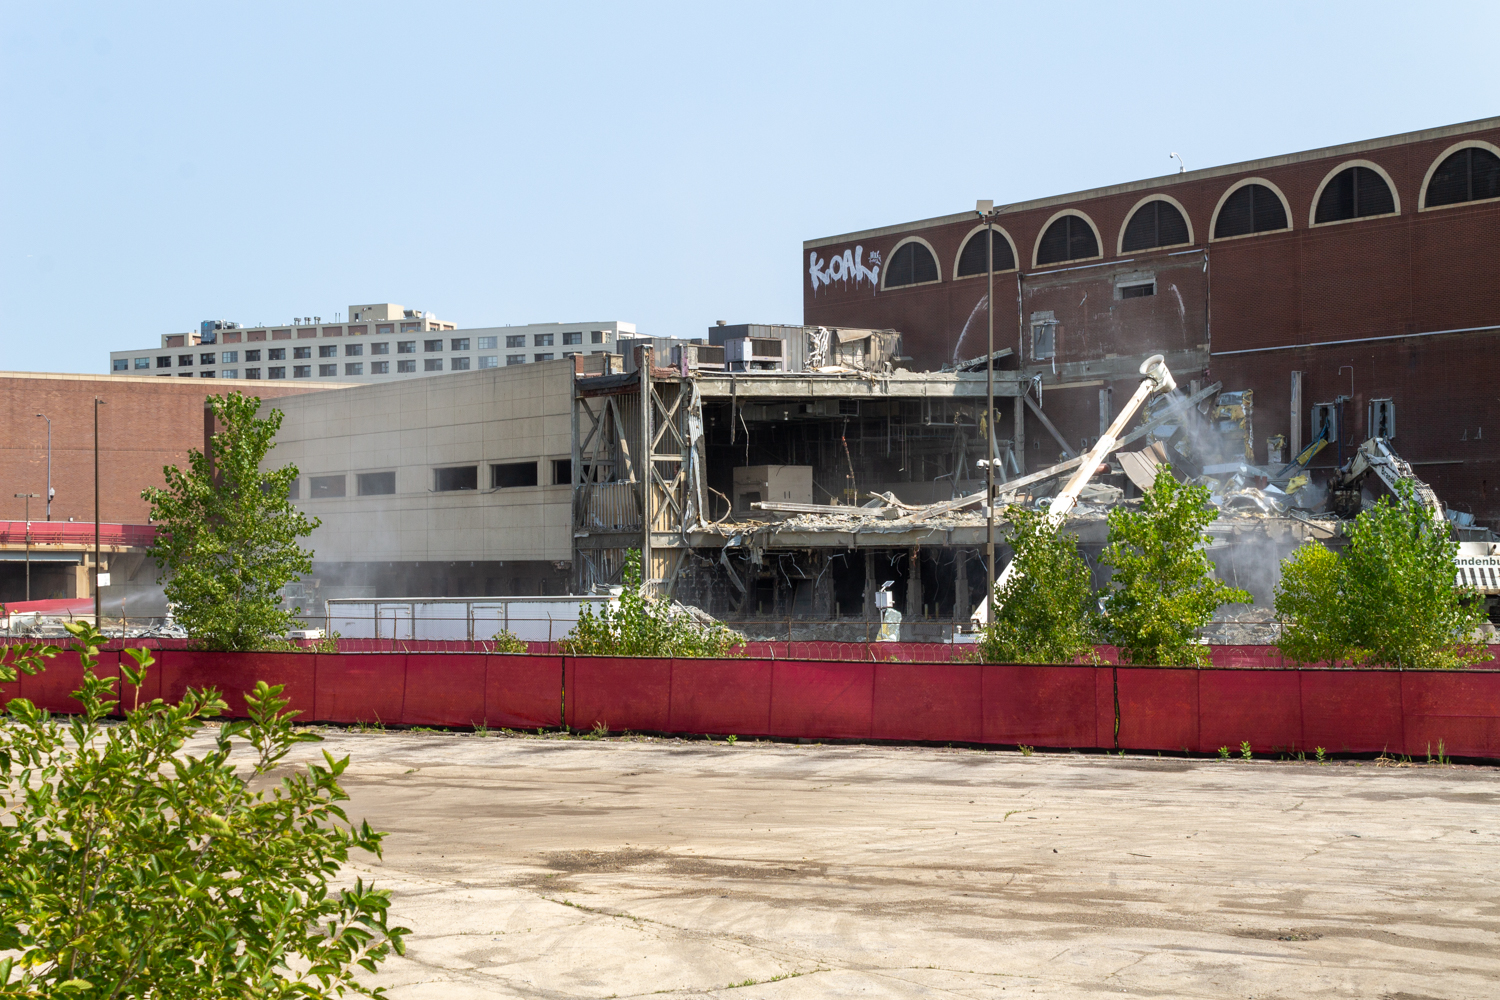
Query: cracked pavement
[(616, 868)]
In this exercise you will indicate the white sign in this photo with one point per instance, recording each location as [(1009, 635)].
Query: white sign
[(846, 267), (104, 579)]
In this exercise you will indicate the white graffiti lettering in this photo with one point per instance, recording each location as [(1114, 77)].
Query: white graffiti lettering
[(847, 266)]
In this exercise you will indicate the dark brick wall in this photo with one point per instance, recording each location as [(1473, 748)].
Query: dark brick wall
[(1414, 272)]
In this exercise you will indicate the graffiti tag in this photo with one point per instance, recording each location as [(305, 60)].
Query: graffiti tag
[(845, 267)]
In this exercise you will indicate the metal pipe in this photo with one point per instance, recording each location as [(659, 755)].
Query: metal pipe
[(98, 594), (989, 409)]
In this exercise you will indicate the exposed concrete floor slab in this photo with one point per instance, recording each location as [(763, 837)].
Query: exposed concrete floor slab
[(576, 868)]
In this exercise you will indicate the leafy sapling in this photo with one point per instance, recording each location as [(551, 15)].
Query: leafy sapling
[(644, 625), (137, 867), (1047, 612), (227, 538), (1163, 589)]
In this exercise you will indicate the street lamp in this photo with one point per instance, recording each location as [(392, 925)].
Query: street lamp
[(986, 210), (98, 594), (29, 497), (49, 463)]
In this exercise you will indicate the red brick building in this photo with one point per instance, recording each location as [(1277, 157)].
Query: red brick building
[(145, 423), (1371, 268)]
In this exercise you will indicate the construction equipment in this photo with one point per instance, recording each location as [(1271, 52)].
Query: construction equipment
[(1376, 456), (1155, 378)]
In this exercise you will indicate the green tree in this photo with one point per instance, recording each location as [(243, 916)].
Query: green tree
[(643, 625), (1310, 598), (1391, 598), (227, 539), (1163, 589), (1047, 612), (133, 868)]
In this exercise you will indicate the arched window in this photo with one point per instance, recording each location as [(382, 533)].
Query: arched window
[(1155, 224), (1253, 208), (1471, 174), (911, 264), (1354, 193), (973, 259), (1068, 238)]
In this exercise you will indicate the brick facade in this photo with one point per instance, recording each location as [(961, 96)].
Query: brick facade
[(145, 424), (1408, 277)]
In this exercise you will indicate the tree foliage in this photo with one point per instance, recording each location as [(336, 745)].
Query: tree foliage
[(643, 625), (1391, 598), (135, 869), (1047, 612), (1163, 589), (227, 539)]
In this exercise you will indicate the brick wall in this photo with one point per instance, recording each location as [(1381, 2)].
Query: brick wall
[(145, 424), (1408, 273)]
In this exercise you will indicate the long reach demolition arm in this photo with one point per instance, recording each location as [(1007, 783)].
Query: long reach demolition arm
[(1155, 378)]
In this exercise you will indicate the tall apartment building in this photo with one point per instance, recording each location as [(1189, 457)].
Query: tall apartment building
[(379, 342)]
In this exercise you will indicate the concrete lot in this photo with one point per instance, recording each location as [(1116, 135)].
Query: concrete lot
[(575, 868)]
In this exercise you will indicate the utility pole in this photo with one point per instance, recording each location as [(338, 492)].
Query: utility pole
[(986, 210), (29, 497), (49, 463), (98, 594)]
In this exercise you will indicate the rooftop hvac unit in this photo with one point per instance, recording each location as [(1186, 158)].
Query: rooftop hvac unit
[(697, 357), (755, 354)]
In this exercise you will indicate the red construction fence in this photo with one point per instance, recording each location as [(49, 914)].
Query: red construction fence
[(1154, 708)]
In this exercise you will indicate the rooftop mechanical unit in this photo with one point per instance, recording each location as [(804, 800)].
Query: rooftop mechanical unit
[(755, 354), (698, 357)]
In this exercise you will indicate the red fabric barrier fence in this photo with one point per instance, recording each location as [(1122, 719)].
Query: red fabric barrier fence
[(1288, 710)]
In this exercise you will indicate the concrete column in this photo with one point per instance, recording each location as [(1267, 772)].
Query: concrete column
[(961, 609), (914, 584), (871, 585), (823, 590), (1294, 439)]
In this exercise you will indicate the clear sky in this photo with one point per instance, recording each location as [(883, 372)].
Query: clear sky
[(162, 164)]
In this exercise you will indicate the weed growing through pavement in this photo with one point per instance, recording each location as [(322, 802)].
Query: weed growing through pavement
[(1245, 749), (600, 730), (1223, 753), (1318, 751), (1026, 751), (731, 739)]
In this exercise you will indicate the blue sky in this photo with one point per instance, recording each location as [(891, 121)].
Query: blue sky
[(168, 163)]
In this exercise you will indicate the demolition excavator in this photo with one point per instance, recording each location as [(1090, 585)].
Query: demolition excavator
[(1154, 378), (1477, 562)]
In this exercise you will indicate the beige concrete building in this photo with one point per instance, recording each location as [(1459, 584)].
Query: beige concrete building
[(379, 342), (457, 485)]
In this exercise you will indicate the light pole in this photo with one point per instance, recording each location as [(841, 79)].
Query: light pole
[(29, 497), (98, 594), (986, 210), (49, 463)]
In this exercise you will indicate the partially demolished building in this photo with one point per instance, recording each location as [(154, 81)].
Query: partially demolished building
[(796, 501)]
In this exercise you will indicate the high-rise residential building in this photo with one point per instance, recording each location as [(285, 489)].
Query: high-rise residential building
[(378, 342)]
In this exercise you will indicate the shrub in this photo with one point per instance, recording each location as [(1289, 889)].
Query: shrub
[(1163, 589), (506, 642), (135, 869), (1047, 612), (1391, 598), (643, 625)]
